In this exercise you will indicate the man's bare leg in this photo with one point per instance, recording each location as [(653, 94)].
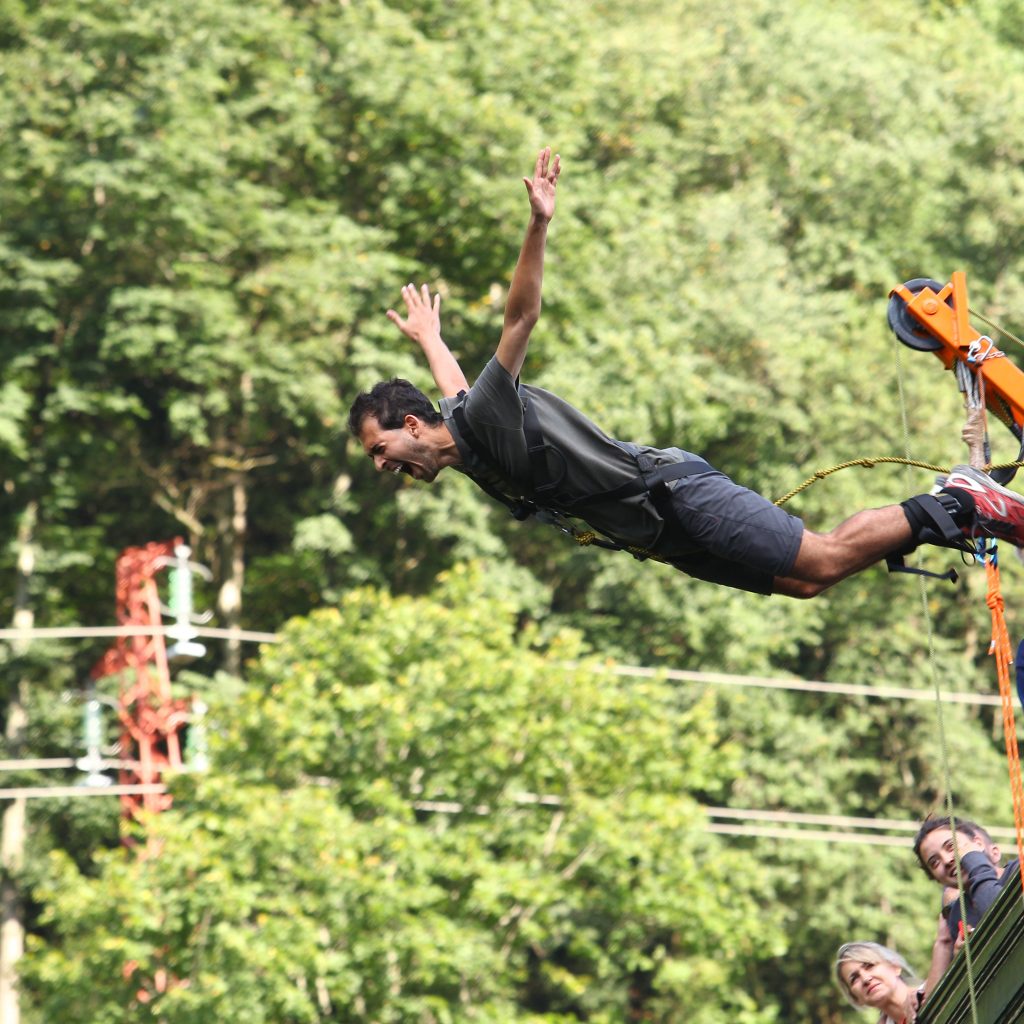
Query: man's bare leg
[(826, 558)]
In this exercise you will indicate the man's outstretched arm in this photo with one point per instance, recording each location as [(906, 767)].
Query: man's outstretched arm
[(423, 325), (522, 310)]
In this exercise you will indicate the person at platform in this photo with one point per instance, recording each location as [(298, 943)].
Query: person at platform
[(872, 975), (537, 454), (984, 877)]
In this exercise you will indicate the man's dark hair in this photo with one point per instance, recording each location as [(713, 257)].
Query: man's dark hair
[(969, 828), (389, 402)]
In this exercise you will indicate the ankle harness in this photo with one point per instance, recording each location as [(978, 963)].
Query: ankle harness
[(931, 521)]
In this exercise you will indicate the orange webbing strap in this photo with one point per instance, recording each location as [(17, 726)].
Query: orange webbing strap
[(1000, 647)]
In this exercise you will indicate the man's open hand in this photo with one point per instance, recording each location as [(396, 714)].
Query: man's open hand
[(541, 187), (423, 316)]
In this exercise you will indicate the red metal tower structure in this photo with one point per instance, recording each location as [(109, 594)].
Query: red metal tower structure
[(152, 720)]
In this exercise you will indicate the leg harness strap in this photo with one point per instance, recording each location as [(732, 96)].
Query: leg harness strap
[(930, 519)]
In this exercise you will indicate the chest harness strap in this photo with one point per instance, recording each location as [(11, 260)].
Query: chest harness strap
[(532, 502)]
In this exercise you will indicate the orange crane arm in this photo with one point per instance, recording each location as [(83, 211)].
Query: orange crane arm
[(929, 316)]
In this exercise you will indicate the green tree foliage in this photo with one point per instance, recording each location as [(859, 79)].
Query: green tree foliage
[(179, 283), (423, 813), (204, 211)]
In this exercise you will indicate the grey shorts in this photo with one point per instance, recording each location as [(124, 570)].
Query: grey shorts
[(728, 534)]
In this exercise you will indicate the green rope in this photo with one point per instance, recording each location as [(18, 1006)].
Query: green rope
[(995, 326)]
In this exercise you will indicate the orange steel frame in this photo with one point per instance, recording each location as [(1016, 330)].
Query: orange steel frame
[(152, 721), (949, 325)]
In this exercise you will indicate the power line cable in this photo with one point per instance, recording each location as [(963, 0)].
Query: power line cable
[(90, 632), (629, 671), (449, 806), (767, 832), (804, 685), (43, 792), (868, 836), (27, 764)]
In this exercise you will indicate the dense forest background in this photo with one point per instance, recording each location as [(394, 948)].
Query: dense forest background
[(205, 209)]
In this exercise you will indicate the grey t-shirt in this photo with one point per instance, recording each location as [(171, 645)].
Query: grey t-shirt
[(582, 457)]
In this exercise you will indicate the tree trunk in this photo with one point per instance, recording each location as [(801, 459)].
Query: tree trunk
[(229, 598), (12, 838), (234, 525), (12, 928)]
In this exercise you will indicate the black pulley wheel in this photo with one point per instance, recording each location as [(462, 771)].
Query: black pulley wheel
[(904, 326)]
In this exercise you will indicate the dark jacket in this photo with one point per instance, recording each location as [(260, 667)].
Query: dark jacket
[(981, 888)]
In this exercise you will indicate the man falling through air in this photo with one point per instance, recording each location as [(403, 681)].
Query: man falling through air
[(532, 450)]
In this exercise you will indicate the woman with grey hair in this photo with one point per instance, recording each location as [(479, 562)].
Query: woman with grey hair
[(870, 974)]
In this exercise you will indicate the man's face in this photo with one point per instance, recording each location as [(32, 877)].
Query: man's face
[(406, 449), (937, 853)]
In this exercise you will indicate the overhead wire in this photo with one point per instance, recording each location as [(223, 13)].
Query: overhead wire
[(52, 792), (633, 671), (18, 634), (868, 836), (800, 685)]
